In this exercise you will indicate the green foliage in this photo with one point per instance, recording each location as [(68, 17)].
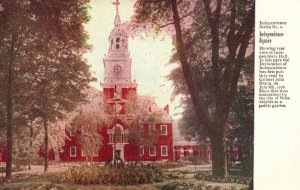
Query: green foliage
[(105, 175), (87, 130), (230, 179), (41, 48), (169, 187), (186, 186)]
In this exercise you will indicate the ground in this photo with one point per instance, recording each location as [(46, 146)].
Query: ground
[(184, 179)]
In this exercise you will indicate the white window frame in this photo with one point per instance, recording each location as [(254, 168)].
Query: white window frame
[(82, 153), (150, 151), (143, 151), (124, 137), (110, 138), (161, 127), (75, 148), (161, 150)]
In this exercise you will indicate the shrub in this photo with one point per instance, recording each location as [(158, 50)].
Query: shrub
[(125, 175), (230, 179), (186, 186), (168, 187)]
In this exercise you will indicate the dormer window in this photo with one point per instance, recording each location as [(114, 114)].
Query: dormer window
[(163, 130)]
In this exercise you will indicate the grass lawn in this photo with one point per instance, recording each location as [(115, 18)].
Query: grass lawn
[(47, 181), (184, 176)]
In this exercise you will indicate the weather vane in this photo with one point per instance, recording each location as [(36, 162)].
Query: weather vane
[(116, 3)]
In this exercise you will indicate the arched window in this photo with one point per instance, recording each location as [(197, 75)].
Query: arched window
[(118, 40), (118, 134), (112, 41)]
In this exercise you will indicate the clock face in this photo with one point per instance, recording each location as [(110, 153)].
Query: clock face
[(117, 69)]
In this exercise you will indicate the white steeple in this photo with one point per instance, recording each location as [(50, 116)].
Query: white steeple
[(117, 63), (117, 18)]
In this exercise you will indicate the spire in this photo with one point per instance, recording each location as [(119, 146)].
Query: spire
[(117, 18)]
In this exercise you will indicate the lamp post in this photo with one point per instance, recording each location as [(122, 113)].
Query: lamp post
[(115, 124)]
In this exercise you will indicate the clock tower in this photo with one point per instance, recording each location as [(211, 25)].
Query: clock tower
[(117, 63)]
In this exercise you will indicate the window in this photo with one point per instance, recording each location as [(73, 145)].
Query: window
[(118, 40), (164, 150), (118, 134), (83, 153), (152, 151), (236, 156), (112, 41), (141, 150), (196, 148), (111, 138), (163, 130), (95, 152), (151, 128), (73, 151), (117, 46), (124, 137)]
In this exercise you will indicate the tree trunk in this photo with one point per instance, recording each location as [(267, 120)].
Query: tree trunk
[(9, 109), (206, 157), (56, 155), (46, 144), (30, 145), (189, 77), (219, 157)]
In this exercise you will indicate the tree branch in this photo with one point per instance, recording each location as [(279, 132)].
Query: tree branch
[(244, 42), (188, 74), (171, 23), (231, 44)]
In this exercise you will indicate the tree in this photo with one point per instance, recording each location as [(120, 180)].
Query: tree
[(142, 110), (41, 50), (229, 38), (241, 117), (87, 129)]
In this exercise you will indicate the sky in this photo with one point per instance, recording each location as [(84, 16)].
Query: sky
[(150, 55)]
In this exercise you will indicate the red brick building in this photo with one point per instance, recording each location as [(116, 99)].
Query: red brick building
[(117, 86)]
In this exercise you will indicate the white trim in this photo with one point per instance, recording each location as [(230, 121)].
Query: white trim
[(161, 127), (75, 148), (110, 138), (154, 151), (82, 153), (124, 137), (143, 152), (132, 84), (161, 150)]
